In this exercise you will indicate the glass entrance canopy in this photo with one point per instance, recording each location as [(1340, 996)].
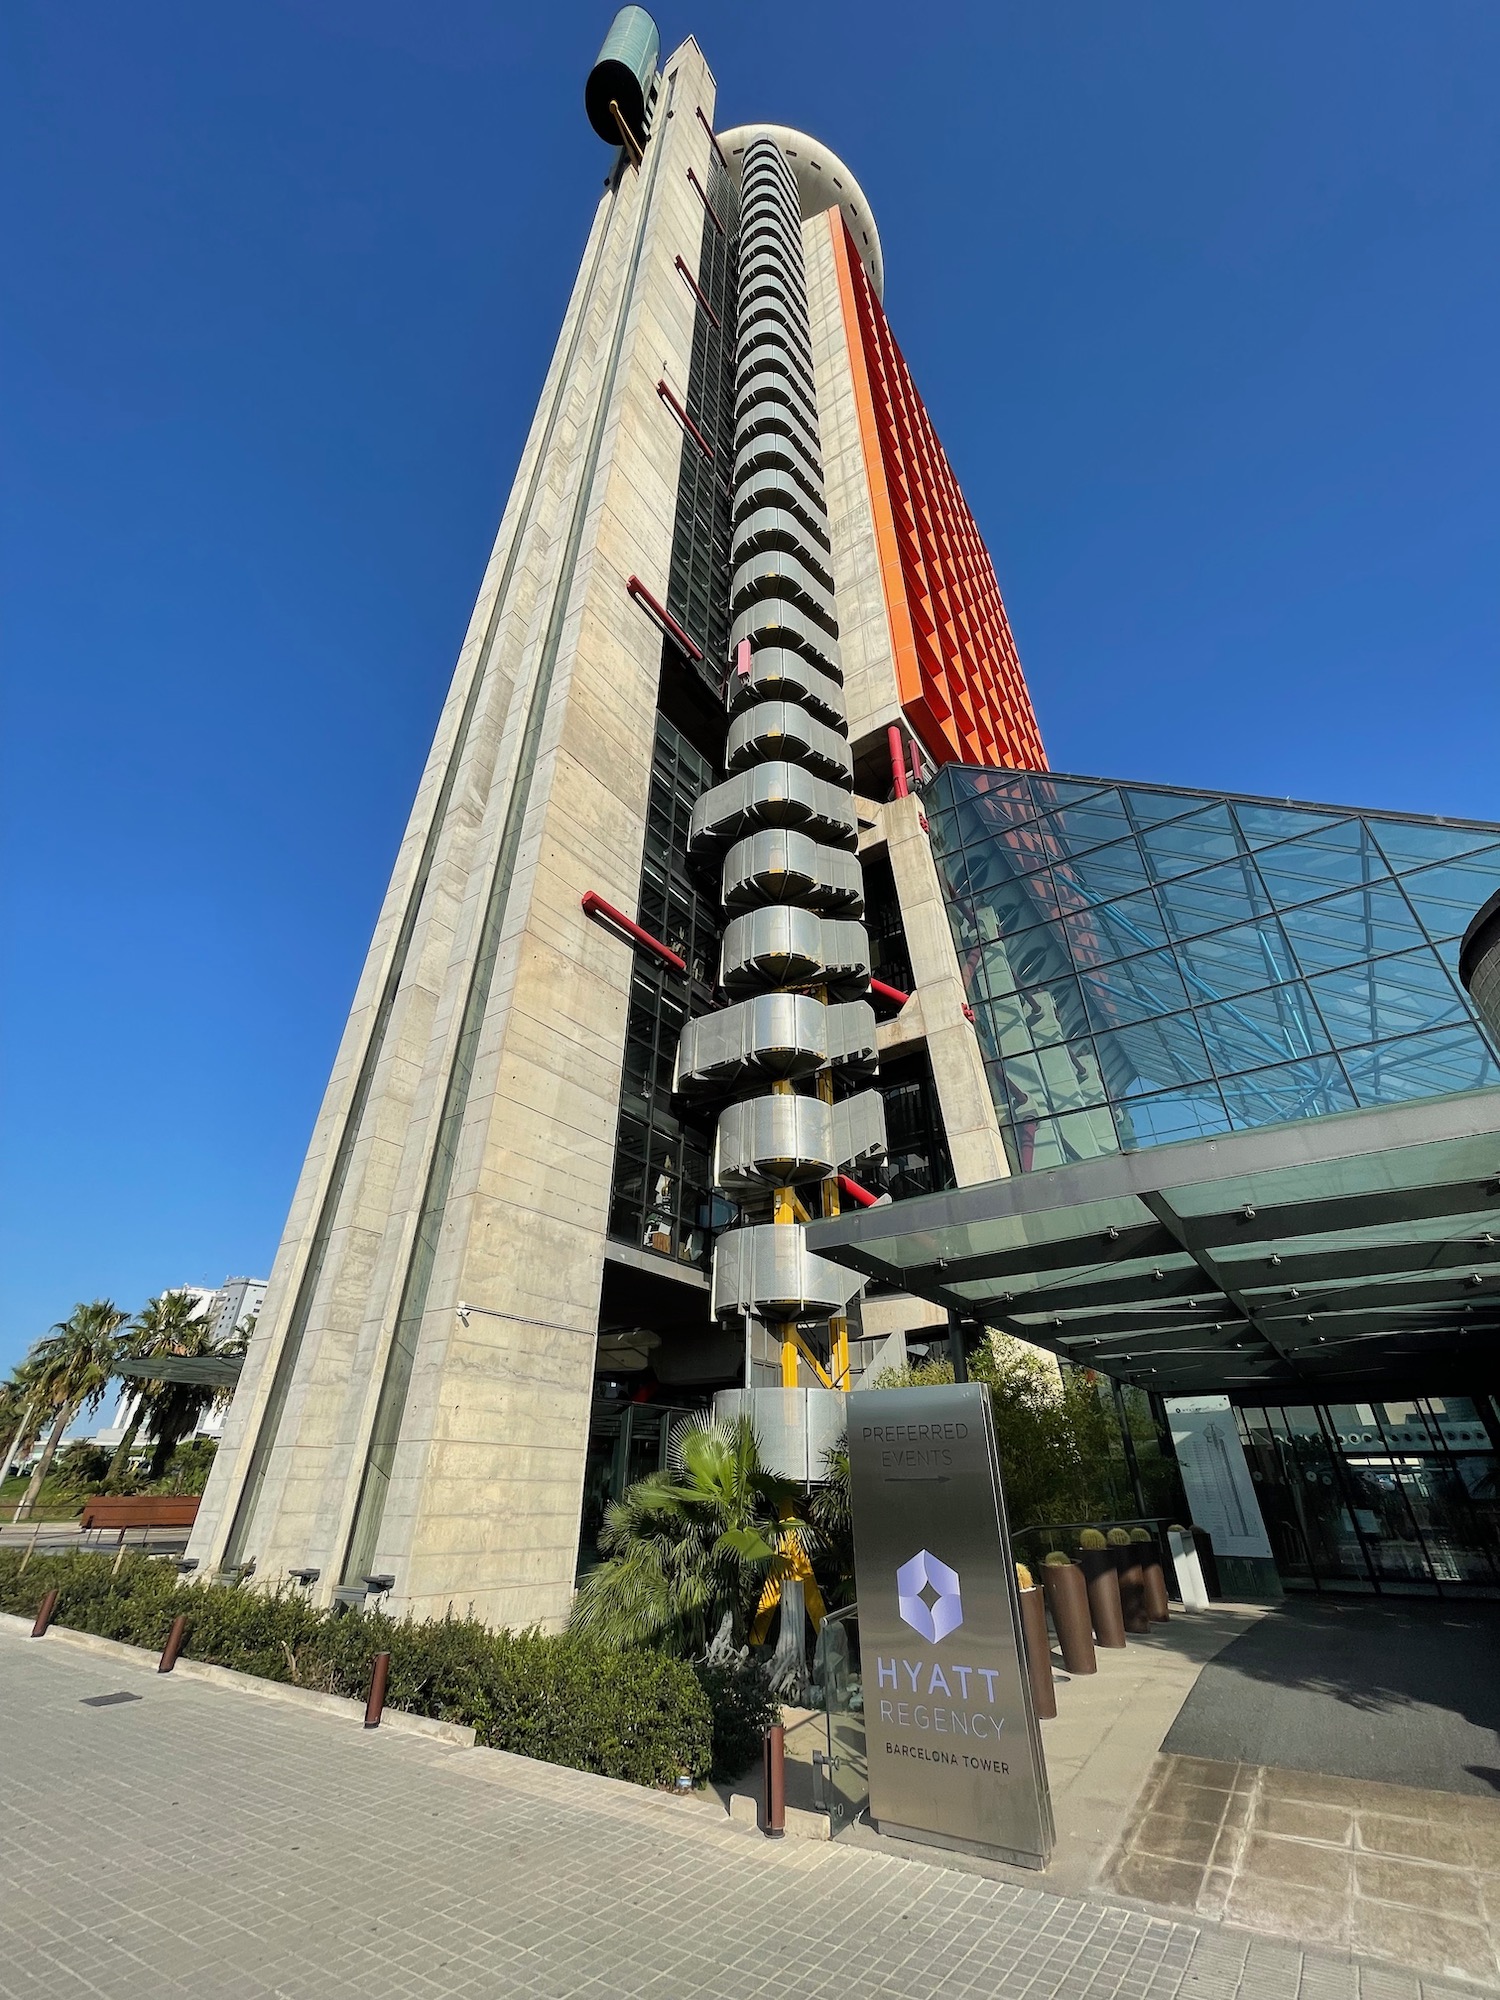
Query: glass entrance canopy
[(1149, 964), (1315, 1259)]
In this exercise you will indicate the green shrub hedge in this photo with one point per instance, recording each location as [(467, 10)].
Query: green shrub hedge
[(744, 1708), (639, 1715)]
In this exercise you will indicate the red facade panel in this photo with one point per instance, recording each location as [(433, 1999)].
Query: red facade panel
[(958, 677)]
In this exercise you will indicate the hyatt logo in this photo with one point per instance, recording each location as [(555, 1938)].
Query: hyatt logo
[(928, 1596)]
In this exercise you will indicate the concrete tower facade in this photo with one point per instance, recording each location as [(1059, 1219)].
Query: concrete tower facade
[(615, 1034)]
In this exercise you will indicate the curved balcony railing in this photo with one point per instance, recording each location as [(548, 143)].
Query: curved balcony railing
[(779, 865), (774, 1035), (775, 622), (777, 674), (768, 1270), (777, 794), (785, 729)]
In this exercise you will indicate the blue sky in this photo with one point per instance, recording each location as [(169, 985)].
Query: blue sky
[(1203, 301)]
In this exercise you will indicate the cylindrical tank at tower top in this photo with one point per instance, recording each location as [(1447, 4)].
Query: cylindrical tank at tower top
[(623, 75)]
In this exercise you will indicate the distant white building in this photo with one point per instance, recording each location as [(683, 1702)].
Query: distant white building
[(235, 1301)]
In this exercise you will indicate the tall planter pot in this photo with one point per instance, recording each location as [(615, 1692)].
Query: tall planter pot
[(1038, 1654), (1132, 1587), (1154, 1581), (1102, 1582), (1068, 1601)]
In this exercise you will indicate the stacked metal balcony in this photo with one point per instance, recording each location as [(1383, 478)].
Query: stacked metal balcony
[(795, 958)]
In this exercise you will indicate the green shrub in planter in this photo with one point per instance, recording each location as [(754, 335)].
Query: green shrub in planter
[(1092, 1538), (744, 1708), (1118, 1538), (1057, 1559), (1140, 1534)]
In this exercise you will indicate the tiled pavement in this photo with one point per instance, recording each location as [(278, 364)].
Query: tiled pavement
[(197, 1841), (1387, 1870)]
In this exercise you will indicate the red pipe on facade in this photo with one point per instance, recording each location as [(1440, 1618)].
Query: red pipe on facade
[(663, 617), (712, 137), (856, 1193), (698, 293), (685, 420), (702, 196), (595, 906), (889, 992), (898, 759)]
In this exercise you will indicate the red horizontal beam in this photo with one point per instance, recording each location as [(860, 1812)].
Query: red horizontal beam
[(663, 617), (856, 1193), (699, 294), (702, 196), (685, 420), (885, 992), (595, 906)]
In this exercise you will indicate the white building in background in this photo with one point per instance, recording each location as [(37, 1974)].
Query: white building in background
[(235, 1301)]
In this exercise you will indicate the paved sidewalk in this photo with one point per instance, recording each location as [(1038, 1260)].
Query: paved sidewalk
[(198, 1842)]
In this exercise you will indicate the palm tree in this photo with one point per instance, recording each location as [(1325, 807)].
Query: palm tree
[(688, 1551), (156, 1329), (73, 1364), (172, 1324), (20, 1414)]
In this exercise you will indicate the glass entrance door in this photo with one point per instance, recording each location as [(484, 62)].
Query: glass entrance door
[(1386, 1496)]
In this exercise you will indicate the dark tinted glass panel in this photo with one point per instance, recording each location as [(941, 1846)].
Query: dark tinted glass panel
[(1147, 808), (1235, 961), (1050, 793), (1262, 824), (1116, 930), (1118, 870), (1391, 997), (1153, 1055), (1313, 866), (1185, 844), (1369, 923), (1408, 845), (1213, 900), (1002, 1026), (1133, 990), (1422, 1066), (1174, 1115), (1262, 1027), (1446, 898), (1077, 828), (1292, 1090), (1057, 1142)]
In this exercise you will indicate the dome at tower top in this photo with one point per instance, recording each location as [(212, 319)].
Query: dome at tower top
[(823, 181)]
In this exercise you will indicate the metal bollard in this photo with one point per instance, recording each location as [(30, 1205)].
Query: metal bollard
[(44, 1614), (378, 1679), (773, 1817), (176, 1640)]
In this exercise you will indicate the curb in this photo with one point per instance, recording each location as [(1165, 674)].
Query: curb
[(341, 1707)]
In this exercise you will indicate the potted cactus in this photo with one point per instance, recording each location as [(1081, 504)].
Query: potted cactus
[(1152, 1576), (1068, 1601), (1102, 1580), (1127, 1559), (1038, 1646)]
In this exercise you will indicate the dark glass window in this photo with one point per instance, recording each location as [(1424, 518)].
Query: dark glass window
[(889, 958), (662, 1197), (916, 1159)]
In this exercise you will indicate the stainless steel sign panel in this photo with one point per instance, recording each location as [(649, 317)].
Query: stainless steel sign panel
[(954, 1751)]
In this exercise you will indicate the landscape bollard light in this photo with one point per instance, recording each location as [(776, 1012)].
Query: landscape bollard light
[(378, 1679), (1102, 1581), (773, 1820), (176, 1640), (44, 1613)]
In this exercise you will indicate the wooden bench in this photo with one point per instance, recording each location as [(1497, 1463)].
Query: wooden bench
[(140, 1510)]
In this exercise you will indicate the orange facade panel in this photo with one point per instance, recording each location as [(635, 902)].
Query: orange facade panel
[(958, 677)]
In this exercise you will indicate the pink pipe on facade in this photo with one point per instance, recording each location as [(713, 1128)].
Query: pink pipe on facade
[(889, 992), (856, 1193)]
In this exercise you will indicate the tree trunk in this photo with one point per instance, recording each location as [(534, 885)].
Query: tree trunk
[(119, 1465), (167, 1441), (15, 1444), (44, 1463)]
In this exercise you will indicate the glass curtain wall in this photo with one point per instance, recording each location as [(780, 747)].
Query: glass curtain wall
[(1394, 1497), (1148, 964)]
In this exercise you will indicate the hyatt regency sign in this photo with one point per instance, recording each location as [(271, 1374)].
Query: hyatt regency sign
[(955, 1757)]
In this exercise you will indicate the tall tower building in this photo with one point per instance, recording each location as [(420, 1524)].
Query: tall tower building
[(665, 968)]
